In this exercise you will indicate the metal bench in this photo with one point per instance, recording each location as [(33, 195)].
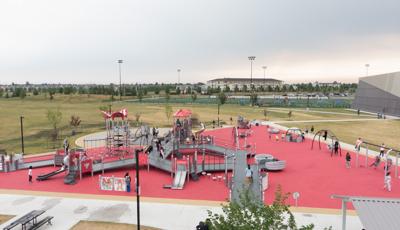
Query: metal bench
[(39, 224), (24, 220)]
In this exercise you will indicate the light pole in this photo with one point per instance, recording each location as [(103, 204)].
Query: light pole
[(251, 58), (120, 83), (179, 75), (264, 68), (366, 69), (22, 134)]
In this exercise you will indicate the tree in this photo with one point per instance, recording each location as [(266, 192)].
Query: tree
[(75, 122), (54, 117), (194, 97), (178, 91), (140, 95), (22, 94), (168, 111), (253, 99), (221, 100), (290, 114), (137, 118), (167, 96), (250, 214), (265, 112)]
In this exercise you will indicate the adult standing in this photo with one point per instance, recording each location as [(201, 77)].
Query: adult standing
[(336, 147), (358, 144), (128, 182), (382, 150), (66, 146)]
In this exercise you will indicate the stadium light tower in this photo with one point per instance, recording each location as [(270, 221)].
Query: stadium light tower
[(251, 58), (120, 83), (366, 69), (179, 75), (264, 68)]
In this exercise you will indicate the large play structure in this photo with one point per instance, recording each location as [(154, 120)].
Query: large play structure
[(185, 154)]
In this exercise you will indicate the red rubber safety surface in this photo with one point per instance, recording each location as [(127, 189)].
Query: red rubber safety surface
[(313, 173)]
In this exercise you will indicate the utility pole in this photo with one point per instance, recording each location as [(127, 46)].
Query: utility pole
[(22, 134), (137, 189)]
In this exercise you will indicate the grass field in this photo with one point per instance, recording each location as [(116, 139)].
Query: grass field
[(37, 128), (378, 131), (5, 218), (99, 225)]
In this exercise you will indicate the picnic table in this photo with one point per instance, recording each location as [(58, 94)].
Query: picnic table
[(24, 220)]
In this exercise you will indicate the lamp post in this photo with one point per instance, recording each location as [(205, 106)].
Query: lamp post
[(251, 58), (22, 134), (137, 189), (366, 69), (264, 68), (179, 75), (120, 83)]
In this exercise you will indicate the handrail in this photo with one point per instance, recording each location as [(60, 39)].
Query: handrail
[(379, 146)]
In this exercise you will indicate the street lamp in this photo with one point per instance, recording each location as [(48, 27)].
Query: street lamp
[(251, 58), (22, 134), (264, 68), (120, 83), (366, 69), (179, 75)]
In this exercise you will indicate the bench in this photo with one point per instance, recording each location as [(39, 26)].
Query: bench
[(24, 220), (39, 224)]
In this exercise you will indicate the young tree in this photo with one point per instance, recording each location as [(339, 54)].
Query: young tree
[(253, 99), (221, 100), (168, 111), (250, 214), (265, 112), (137, 118), (194, 97), (54, 117), (75, 122), (290, 114)]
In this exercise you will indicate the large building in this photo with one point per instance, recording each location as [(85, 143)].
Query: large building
[(379, 94), (232, 83)]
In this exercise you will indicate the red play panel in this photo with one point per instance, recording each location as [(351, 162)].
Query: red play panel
[(313, 173)]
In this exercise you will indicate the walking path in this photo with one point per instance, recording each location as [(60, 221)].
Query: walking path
[(330, 120), (69, 211), (323, 112)]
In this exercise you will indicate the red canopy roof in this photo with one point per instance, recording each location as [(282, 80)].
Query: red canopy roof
[(123, 114), (183, 113)]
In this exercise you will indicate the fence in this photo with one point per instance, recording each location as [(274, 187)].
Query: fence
[(273, 102)]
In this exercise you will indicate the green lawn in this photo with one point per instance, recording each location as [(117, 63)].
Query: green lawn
[(37, 128), (378, 131)]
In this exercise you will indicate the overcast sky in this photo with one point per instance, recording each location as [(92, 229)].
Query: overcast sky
[(79, 41)]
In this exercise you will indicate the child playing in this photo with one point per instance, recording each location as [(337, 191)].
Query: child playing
[(348, 159), (30, 174), (388, 182)]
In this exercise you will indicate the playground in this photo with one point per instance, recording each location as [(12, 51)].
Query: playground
[(204, 165)]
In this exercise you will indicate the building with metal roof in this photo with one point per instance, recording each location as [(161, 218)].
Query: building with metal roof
[(379, 94), (374, 213)]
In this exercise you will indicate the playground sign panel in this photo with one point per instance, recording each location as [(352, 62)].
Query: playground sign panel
[(112, 183)]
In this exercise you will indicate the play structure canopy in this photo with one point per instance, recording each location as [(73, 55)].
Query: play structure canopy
[(183, 113), (123, 113)]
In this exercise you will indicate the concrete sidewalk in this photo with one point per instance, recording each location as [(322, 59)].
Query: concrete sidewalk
[(69, 211)]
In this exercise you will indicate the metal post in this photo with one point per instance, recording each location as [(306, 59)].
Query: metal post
[(120, 82), (344, 209), (358, 153), (137, 189), (366, 156), (22, 135)]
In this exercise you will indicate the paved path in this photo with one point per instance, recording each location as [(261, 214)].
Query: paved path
[(322, 112), (240, 176), (330, 120), (69, 211)]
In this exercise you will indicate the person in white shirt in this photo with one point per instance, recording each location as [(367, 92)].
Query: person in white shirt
[(358, 144), (382, 150), (30, 174), (249, 175), (388, 182)]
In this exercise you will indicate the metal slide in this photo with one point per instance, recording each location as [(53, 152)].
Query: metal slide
[(48, 175), (179, 180)]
